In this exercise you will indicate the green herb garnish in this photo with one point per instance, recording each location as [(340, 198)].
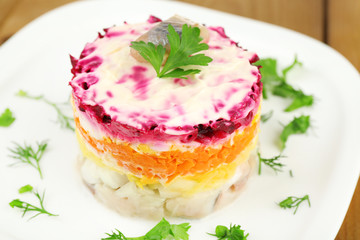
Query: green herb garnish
[(6, 118), (299, 98), (299, 101), (298, 125), (233, 233), (27, 155), (294, 202), (269, 75), (266, 116), (116, 235), (273, 163), (27, 207), (65, 121), (26, 188), (287, 69), (182, 50), (278, 85), (162, 231)]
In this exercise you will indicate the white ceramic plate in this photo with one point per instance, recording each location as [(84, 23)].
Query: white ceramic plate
[(325, 162)]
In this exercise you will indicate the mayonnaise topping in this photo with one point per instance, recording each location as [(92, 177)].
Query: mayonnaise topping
[(130, 93)]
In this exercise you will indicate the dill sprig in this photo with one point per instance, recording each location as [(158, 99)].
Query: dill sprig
[(27, 155), (64, 120), (28, 207), (273, 163), (294, 202)]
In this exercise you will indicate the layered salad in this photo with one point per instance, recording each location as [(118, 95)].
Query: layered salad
[(165, 146)]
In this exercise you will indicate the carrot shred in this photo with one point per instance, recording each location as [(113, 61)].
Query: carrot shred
[(170, 164)]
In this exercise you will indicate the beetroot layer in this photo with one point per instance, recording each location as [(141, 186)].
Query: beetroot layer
[(205, 133)]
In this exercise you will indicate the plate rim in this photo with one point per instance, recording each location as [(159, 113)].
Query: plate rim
[(28, 27)]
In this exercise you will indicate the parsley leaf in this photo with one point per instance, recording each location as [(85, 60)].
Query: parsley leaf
[(278, 86), (271, 162), (181, 54), (180, 231), (299, 98), (26, 188), (294, 202), (298, 125), (287, 69), (299, 101), (151, 53), (284, 90), (6, 118), (162, 231), (269, 75), (28, 207), (233, 233)]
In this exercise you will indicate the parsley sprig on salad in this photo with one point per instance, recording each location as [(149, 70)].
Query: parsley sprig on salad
[(182, 50)]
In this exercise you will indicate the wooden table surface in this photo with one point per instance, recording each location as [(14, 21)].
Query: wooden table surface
[(335, 22)]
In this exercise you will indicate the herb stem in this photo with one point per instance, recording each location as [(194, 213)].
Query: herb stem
[(273, 163), (259, 172), (26, 154), (294, 202), (64, 120), (28, 207)]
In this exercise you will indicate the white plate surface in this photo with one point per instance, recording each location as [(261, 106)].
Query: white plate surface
[(325, 162)]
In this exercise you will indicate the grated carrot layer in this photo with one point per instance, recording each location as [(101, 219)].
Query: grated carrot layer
[(170, 164)]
